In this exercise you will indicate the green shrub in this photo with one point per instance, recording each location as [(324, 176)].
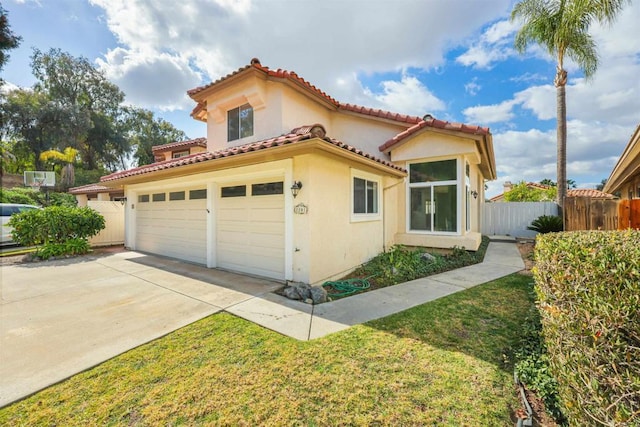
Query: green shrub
[(401, 264), (55, 225), (588, 287), (74, 246), (29, 196), (547, 224)]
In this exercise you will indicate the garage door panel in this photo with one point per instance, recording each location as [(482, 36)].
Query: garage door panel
[(173, 228), (250, 234)]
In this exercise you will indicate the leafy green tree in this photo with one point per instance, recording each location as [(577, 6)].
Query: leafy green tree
[(67, 158), (8, 40), (562, 27), (602, 184), (145, 132), (92, 102), (521, 192), (33, 123)]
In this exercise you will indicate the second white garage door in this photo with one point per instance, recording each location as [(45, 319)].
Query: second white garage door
[(173, 224), (250, 228)]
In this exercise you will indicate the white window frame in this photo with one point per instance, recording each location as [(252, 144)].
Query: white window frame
[(362, 217), (253, 121), (456, 182), (178, 154)]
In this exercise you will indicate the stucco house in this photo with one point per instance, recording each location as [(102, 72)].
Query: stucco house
[(625, 176), (295, 185)]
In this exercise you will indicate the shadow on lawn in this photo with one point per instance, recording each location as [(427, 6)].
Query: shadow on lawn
[(484, 322)]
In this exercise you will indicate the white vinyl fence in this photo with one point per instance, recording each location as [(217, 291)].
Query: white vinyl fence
[(513, 218), (113, 213)]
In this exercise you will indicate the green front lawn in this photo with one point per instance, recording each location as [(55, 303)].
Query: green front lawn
[(445, 363)]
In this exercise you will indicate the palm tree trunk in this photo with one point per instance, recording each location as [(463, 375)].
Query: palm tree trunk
[(561, 112)]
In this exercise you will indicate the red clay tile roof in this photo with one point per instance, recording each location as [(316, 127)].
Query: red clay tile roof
[(296, 136), (293, 76), (92, 189), (589, 192), (198, 142), (573, 192), (437, 124)]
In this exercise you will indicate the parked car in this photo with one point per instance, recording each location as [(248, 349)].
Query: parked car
[(6, 210)]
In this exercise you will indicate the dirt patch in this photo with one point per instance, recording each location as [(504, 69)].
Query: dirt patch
[(526, 247)]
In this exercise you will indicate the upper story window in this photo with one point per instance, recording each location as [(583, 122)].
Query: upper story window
[(178, 154), (239, 122)]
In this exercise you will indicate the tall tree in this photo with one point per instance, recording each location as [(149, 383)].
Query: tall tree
[(146, 131), (93, 102), (8, 40), (562, 27)]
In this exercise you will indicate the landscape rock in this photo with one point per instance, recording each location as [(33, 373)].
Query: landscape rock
[(318, 294), (427, 257)]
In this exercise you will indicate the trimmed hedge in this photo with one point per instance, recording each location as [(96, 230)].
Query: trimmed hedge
[(588, 286)]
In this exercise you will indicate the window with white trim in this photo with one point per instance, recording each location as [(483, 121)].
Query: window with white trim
[(433, 196), (365, 196), (239, 122), (178, 154)]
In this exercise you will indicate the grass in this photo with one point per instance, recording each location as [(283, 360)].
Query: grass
[(445, 363)]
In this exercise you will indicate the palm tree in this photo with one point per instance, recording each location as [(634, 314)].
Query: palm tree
[(562, 27), (67, 158)]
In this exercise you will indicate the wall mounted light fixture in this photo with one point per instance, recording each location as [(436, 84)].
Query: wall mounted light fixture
[(474, 193), (295, 188), (123, 200)]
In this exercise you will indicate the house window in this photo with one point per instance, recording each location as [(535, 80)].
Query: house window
[(198, 194), (235, 191), (433, 201), (239, 122), (159, 197), (176, 195), (267, 188), (467, 184), (143, 198), (365, 196), (178, 154)]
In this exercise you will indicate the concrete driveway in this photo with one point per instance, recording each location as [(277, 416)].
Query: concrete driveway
[(61, 317)]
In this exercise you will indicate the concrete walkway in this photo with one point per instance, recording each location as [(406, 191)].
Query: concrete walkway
[(305, 322), (60, 318)]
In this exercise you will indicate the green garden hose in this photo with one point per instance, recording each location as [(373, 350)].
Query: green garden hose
[(348, 286)]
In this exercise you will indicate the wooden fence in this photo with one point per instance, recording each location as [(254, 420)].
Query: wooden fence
[(585, 213)]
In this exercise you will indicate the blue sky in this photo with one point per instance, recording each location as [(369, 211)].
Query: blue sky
[(453, 59)]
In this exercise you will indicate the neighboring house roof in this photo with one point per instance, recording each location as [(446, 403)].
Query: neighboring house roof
[(92, 189), (296, 136), (575, 192), (198, 142), (628, 166), (293, 77)]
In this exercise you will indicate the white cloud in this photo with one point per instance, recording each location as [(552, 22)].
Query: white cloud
[(408, 96), (319, 40), (494, 45), (152, 81), (485, 114), (472, 88)]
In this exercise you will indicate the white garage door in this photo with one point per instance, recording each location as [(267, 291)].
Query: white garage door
[(173, 223), (250, 228)]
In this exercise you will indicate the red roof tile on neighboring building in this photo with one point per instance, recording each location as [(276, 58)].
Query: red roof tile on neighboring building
[(589, 192), (298, 135), (437, 124), (92, 189), (197, 142)]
